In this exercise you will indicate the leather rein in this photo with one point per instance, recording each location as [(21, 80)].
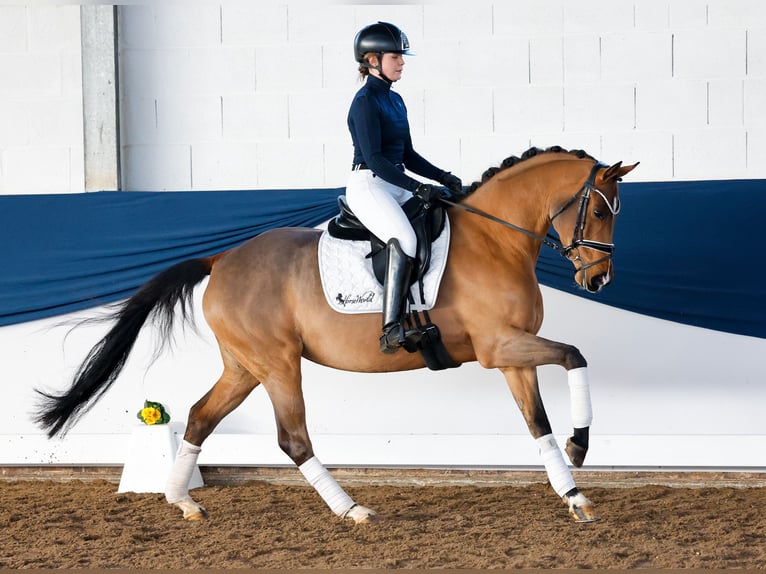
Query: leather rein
[(584, 194)]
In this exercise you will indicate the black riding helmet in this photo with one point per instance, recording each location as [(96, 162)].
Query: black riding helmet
[(380, 38)]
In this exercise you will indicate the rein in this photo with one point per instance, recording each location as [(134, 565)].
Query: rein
[(577, 234), (548, 240)]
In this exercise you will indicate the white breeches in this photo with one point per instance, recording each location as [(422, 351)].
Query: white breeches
[(377, 204)]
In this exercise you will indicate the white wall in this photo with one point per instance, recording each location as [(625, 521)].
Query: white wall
[(218, 96), (41, 137), (246, 95), (222, 96)]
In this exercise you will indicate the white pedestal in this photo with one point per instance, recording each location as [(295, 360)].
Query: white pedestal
[(150, 459)]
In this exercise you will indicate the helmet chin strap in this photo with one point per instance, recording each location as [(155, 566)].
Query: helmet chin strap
[(379, 67)]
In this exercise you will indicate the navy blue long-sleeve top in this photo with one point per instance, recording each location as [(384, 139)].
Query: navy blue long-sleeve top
[(380, 133)]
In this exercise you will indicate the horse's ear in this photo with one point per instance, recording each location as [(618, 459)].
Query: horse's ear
[(617, 171)]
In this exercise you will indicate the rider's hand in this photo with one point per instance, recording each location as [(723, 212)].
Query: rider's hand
[(452, 182), (427, 193)]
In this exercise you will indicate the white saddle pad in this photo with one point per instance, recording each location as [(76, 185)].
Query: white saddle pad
[(349, 282)]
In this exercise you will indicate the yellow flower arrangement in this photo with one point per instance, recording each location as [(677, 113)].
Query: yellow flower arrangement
[(153, 414)]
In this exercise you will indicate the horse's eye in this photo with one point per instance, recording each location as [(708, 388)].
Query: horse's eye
[(598, 214)]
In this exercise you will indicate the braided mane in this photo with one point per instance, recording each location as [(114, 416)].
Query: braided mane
[(513, 160)]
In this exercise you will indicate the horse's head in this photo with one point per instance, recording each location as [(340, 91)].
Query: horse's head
[(588, 218)]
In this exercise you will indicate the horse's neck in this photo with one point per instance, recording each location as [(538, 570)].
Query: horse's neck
[(529, 193)]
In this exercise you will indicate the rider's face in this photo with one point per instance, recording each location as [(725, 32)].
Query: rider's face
[(392, 66)]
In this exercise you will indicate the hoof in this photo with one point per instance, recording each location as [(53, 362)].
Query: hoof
[(576, 453), (192, 511), (201, 514), (581, 508), (361, 515)]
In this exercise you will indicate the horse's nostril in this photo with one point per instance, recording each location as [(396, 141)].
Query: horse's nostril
[(603, 280), (599, 281)]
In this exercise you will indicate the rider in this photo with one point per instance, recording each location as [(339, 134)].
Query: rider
[(378, 185)]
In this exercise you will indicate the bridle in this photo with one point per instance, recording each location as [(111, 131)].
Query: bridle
[(584, 195), (582, 211)]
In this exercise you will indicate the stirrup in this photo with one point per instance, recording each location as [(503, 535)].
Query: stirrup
[(392, 338)]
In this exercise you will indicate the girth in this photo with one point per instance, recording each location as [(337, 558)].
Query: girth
[(427, 223)]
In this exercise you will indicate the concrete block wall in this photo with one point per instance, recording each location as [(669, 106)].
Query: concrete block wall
[(255, 95), (41, 136)]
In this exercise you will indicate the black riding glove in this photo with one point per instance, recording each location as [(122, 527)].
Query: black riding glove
[(452, 182), (427, 193)]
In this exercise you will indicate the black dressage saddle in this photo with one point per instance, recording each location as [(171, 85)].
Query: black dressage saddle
[(427, 223)]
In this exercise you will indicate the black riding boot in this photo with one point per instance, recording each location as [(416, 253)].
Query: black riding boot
[(395, 288)]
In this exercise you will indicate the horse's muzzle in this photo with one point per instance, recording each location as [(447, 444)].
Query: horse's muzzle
[(595, 284)]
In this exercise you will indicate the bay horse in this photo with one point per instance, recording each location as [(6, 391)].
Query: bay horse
[(266, 307)]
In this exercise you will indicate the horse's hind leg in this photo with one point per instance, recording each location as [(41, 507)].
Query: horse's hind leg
[(227, 394), (524, 386), (284, 389)]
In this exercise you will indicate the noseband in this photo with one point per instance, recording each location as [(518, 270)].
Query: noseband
[(584, 195)]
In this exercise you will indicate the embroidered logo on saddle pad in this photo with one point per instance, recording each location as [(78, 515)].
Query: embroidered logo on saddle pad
[(350, 285)]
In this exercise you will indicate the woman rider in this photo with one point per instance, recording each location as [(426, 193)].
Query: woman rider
[(378, 185)]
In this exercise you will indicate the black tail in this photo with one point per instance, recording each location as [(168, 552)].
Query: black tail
[(159, 296)]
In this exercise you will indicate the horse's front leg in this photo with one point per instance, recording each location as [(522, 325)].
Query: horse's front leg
[(582, 414), (524, 349), (524, 386)]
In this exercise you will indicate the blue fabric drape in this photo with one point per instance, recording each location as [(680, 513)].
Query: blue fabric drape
[(686, 251), (69, 252)]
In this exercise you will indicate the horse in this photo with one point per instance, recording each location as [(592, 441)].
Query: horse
[(265, 305)]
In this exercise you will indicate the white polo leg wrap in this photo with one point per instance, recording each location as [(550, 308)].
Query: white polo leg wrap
[(579, 397), (330, 491), (558, 471), (177, 486)]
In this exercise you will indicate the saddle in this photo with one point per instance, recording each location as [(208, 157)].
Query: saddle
[(427, 223), (421, 334)]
